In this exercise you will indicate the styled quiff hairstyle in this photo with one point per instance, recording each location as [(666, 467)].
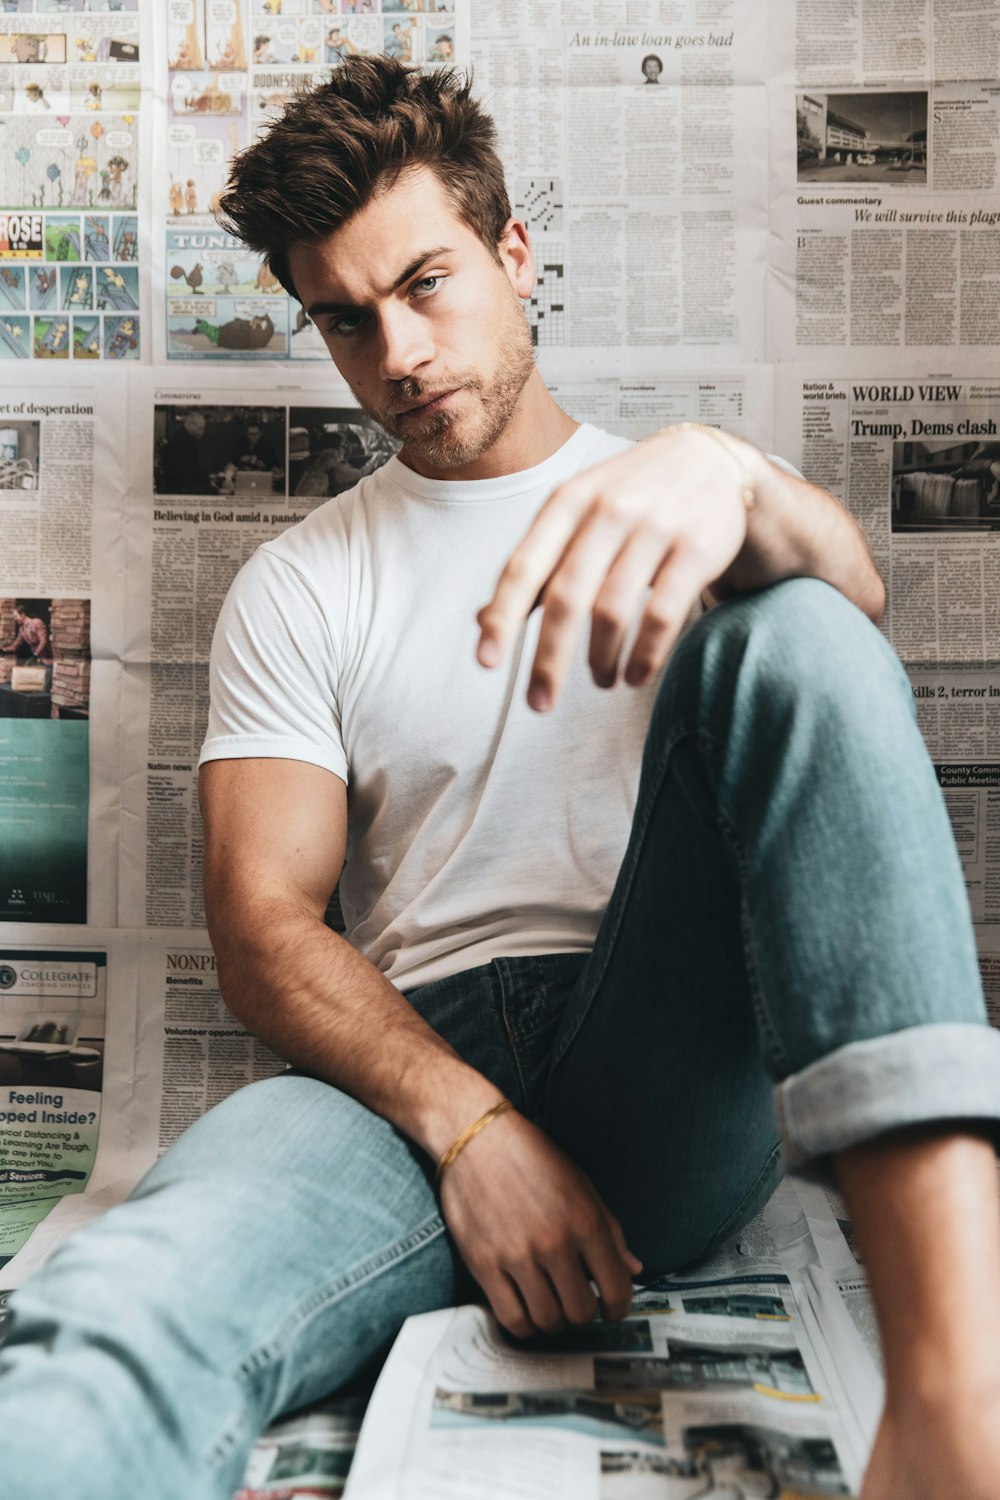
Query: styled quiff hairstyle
[(344, 142)]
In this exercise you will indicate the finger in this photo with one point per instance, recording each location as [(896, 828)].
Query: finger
[(633, 1262), (539, 1298), (618, 599), (606, 1266), (675, 588), (575, 1293), (568, 599), (528, 568), (507, 1305)]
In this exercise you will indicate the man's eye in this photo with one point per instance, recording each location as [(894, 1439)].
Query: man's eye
[(426, 285), (345, 323)]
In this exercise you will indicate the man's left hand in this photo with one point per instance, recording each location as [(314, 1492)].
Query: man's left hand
[(667, 516)]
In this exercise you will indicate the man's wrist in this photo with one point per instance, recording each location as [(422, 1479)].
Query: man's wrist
[(452, 1110)]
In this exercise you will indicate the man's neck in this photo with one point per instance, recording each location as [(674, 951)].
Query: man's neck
[(537, 429)]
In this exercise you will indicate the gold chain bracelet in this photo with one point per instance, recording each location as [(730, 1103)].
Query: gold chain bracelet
[(463, 1140), (724, 441)]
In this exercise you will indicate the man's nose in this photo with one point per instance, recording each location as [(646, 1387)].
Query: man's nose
[(405, 343)]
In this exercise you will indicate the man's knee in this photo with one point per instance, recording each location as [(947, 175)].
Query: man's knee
[(781, 651)]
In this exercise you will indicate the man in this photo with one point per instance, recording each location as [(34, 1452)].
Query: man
[(31, 638), (789, 923), (183, 468), (258, 451)]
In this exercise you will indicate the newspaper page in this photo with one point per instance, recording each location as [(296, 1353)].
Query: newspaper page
[(71, 91), (308, 1454), (743, 1375), (709, 1387), (53, 1015), (108, 1051), (60, 645), (885, 178), (216, 469), (202, 1054), (631, 137), (72, 1072), (226, 68), (916, 458), (733, 397)]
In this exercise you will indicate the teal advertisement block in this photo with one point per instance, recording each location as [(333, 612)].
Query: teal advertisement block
[(44, 793)]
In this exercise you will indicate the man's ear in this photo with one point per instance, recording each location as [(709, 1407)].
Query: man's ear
[(517, 257)]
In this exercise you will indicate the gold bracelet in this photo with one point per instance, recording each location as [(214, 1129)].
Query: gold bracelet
[(725, 441), (463, 1140)]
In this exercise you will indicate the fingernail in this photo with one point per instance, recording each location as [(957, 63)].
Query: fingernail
[(539, 697), (489, 651)]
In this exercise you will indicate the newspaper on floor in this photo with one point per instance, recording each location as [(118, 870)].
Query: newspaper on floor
[(739, 1377)]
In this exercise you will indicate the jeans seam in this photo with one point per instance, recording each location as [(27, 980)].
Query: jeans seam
[(640, 828), (712, 753), (264, 1355), (761, 1009), (725, 1229), (505, 1017)]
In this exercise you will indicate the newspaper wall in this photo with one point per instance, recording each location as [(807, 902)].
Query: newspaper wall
[(778, 218), (885, 184)]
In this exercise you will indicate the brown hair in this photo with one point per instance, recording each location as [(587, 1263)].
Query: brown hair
[(339, 144)]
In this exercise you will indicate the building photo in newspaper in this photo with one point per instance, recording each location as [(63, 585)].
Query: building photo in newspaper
[(862, 138), (499, 750)]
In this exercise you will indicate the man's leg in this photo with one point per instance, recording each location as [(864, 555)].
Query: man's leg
[(790, 927), (271, 1253)]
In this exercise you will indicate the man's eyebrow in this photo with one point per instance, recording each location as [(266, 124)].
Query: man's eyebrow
[(424, 256)]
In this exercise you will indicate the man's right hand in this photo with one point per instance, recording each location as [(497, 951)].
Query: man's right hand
[(534, 1233)]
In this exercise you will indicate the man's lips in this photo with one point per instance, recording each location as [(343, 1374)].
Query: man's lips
[(427, 404)]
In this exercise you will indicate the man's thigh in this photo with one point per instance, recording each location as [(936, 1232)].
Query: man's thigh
[(273, 1251)]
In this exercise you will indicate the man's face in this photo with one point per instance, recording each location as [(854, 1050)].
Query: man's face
[(423, 323), (651, 68), (253, 432), (194, 423)]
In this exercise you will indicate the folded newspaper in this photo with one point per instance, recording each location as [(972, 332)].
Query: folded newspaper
[(754, 1374)]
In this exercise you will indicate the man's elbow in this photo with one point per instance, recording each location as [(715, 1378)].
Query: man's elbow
[(873, 600)]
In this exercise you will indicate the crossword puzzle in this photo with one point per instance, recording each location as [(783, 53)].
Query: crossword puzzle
[(539, 202), (546, 309)]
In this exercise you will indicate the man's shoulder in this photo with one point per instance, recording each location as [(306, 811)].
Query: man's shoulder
[(604, 445), (328, 531)]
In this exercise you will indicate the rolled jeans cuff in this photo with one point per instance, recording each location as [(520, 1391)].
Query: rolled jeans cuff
[(942, 1071)]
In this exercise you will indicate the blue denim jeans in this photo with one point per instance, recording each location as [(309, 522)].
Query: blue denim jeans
[(786, 967)]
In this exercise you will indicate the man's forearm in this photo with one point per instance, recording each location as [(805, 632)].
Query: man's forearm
[(319, 1003), (797, 530)]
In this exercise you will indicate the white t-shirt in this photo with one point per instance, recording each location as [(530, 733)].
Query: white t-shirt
[(476, 827)]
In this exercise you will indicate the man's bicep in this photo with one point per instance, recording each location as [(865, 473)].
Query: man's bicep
[(272, 828)]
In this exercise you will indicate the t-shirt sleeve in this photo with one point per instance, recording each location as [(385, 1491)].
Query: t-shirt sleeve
[(273, 672)]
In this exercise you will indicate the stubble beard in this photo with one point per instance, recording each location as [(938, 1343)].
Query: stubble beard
[(446, 439)]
